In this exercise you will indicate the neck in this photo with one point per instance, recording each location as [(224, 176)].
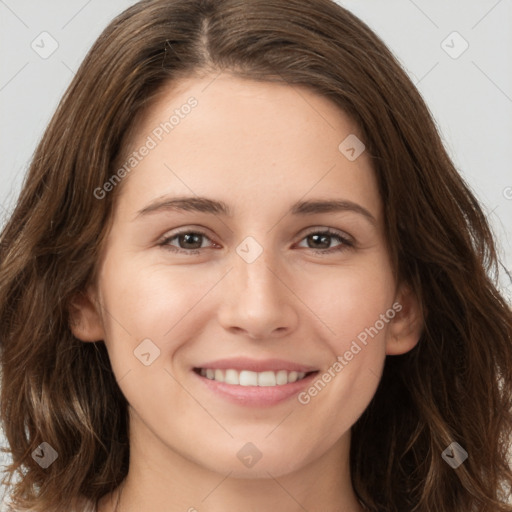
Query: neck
[(160, 479)]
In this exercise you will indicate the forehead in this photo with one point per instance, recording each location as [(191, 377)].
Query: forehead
[(246, 141)]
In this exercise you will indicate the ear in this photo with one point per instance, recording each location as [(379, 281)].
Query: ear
[(85, 318), (406, 326)]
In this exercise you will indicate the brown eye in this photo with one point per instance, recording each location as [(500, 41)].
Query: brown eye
[(189, 239), (186, 242), (320, 241)]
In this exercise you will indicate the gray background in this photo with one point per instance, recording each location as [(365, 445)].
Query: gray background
[(470, 96)]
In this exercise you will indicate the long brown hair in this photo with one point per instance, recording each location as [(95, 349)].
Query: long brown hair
[(454, 386)]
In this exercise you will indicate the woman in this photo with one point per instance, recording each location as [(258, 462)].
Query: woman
[(255, 369)]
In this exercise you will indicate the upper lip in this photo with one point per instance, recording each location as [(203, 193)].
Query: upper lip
[(256, 365)]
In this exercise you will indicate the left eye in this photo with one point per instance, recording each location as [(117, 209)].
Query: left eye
[(190, 242), (185, 237)]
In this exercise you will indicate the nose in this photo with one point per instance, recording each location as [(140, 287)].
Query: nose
[(257, 299)]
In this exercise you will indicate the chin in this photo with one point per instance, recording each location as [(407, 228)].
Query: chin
[(263, 465)]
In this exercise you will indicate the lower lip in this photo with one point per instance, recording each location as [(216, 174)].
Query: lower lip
[(256, 396)]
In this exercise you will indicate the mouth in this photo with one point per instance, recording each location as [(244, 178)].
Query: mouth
[(253, 383), (248, 378)]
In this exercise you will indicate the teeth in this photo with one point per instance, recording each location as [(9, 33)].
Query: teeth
[(281, 377), (267, 379), (248, 378), (230, 377)]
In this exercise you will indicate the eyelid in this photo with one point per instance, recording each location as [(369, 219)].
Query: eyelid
[(347, 242), (186, 229), (330, 231), (348, 239), (182, 231)]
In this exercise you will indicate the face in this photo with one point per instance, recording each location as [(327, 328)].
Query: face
[(273, 267)]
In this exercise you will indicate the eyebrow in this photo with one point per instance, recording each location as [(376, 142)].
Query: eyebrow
[(214, 207)]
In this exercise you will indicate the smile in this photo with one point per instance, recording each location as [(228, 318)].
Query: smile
[(250, 378)]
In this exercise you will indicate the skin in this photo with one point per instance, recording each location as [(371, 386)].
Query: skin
[(259, 147)]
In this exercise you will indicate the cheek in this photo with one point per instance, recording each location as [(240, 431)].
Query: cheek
[(143, 302), (166, 303), (170, 305), (355, 307), (359, 313), (348, 300), (150, 313)]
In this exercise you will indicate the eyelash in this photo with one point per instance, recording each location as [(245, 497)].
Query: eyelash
[(344, 245)]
